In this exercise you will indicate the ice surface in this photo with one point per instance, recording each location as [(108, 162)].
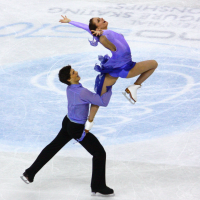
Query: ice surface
[(153, 149)]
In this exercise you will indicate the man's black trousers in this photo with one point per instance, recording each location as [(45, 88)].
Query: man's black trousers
[(68, 131)]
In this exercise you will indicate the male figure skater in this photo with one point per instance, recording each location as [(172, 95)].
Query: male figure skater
[(79, 99)]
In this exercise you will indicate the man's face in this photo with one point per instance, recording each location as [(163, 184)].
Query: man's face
[(100, 23), (74, 77)]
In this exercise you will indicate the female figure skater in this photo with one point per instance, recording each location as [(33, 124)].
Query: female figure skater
[(119, 65)]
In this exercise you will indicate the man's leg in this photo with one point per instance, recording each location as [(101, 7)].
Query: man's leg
[(94, 147), (49, 151)]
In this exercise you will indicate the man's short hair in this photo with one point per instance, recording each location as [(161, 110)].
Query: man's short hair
[(64, 74)]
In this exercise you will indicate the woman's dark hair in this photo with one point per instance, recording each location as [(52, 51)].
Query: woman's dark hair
[(92, 25), (64, 74)]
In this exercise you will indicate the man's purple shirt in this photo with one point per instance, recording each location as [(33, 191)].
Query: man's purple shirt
[(79, 99)]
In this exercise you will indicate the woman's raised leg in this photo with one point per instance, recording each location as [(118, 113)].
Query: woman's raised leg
[(108, 81), (144, 69)]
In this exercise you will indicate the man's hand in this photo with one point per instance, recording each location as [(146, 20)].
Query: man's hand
[(65, 19), (97, 32)]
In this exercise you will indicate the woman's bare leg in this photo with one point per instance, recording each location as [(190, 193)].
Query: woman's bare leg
[(144, 69), (109, 80), (93, 111)]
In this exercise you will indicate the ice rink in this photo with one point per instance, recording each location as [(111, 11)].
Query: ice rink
[(153, 147)]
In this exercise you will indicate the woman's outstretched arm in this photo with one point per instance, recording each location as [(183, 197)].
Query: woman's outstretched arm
[(83, 26), (77, 24), (93, 111)]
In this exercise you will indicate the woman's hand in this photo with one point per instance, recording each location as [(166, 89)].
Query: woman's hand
[(65, 19), (97, 32)]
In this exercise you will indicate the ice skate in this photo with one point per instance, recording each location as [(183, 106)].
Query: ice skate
[(132, 91), (24, 178), (88, 126), (105, 192)]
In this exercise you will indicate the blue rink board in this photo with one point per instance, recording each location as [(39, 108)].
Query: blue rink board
[(168, 102)]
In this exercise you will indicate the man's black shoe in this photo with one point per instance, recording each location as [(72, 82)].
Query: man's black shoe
[(103, 192), (25, 178)]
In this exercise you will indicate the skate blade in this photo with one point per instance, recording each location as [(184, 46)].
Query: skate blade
[(129, 99), (24, 179), (102, 195)]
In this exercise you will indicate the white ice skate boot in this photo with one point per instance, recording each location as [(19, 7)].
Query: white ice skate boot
[(88, 126), (132, 91)]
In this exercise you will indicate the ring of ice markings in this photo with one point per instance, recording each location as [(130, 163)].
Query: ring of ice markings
[(168, 101), (171, 93)]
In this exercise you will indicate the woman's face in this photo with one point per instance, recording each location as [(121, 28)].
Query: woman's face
[(100, 23)]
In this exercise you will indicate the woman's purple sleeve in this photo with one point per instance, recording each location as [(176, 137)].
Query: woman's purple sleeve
[(80, 25), (86, 27), (94, 98)]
